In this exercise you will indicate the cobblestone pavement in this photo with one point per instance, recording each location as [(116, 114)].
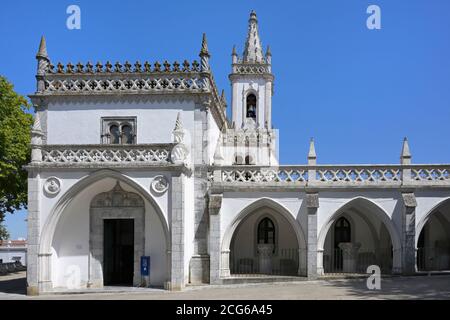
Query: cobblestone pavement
[(418, 287)]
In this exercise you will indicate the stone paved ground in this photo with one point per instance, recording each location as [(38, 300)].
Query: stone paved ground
[(419, 287)]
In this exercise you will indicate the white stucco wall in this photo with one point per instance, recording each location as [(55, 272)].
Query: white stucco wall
[(80, 123), (213, 136)]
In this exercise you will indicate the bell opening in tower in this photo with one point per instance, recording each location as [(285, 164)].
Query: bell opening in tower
[(251, 106)]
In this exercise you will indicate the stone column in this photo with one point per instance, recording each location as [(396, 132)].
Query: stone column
[(216, 261), (45, 263), (177, 272), (312, 204), (302, 262), (320, 269), (200, 261), (34, 191), (268, 105), (408, 264), (350, 256), (225, 263), (234, 103)]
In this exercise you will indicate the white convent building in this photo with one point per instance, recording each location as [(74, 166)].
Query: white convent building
[(140, 159)]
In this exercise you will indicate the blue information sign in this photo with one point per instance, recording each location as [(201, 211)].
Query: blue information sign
[(145, 265)]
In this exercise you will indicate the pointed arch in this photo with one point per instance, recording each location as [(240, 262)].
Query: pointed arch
[(260, 204), (427, 217), (57, 211), (373, 208)]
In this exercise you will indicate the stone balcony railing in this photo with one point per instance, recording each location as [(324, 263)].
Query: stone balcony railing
[(101, 154), (332, 175)]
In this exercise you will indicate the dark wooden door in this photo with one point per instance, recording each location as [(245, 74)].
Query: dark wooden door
[(118, 251)]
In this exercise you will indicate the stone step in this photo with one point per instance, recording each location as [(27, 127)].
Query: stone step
[(261, 279)]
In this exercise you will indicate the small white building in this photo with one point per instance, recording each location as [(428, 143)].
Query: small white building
[(139, 159), (13, 251)]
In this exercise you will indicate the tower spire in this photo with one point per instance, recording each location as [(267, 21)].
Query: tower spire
[(253, 50)]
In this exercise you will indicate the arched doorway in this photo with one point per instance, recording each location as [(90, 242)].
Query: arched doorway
[(116, 237), (433, 242), (65, 244), (356, 236)]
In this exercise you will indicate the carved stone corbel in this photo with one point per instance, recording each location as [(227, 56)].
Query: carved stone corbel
[(215, 203)]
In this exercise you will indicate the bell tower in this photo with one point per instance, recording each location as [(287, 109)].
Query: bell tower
[(251, 81), (250, 140)]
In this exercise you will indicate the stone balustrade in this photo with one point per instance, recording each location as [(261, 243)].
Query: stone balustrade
[(113, 84), (157, 154), (333, 175)]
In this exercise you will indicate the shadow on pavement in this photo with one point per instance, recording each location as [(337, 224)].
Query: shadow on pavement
[(417, 287), (14, 285)]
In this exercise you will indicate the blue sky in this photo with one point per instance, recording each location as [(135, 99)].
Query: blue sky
[(357, 91)]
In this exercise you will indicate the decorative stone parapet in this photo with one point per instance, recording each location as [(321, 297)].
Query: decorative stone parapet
[(131, 83), (251, 68), (333, 175), (91, 154), (119, 68), (263, 174)]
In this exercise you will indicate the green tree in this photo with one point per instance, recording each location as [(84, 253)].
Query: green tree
[(15, 126), (4, 234)]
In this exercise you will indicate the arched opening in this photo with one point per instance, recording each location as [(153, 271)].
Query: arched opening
[(433, 244), (264, 242), (251, 106), (114, 133), (359, 235), (238, 159), (342, 234), (69, 244), (127, 134), (266, 232)]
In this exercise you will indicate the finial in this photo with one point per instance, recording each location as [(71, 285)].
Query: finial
[(178, 123), (405, 157), (117, 186), (233, 53), (268, 52), (204, 55), (204, 50), (42, 52), (253, 49), (312, 157)]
